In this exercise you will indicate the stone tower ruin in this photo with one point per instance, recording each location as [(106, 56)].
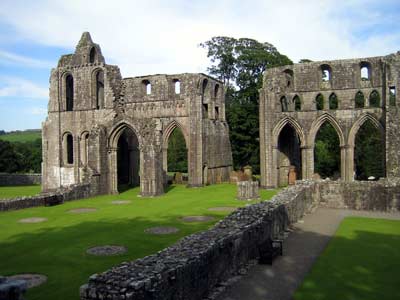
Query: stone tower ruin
[(103, 129), (296, 100)]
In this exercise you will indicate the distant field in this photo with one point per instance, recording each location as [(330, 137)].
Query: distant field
[(23, 136), (7, 192)]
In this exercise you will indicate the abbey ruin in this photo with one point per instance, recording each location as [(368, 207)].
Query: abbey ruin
[(107, 130), (296, 100)]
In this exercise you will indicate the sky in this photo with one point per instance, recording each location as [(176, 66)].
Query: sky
[(152, 37)]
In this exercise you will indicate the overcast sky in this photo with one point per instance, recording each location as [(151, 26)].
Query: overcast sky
[(147, 37)]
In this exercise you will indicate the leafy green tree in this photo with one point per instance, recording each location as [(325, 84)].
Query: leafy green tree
[(240, 64), (9, 159), (304, 60)]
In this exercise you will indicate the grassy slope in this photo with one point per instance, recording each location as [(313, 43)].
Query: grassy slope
[(23, 136), (362, 261), (57, 247), (7, 192)]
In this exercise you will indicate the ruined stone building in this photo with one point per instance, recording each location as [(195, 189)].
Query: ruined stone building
[(105, 129), (296, 100)]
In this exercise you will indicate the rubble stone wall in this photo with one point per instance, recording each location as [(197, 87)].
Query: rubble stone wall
[(20, 179), (192, 267), (47, 199)]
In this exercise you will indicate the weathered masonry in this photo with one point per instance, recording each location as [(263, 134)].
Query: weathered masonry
[(296, 100), (107, 130)]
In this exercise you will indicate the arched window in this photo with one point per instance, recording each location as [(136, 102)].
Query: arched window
[(359, 100), (203, 92), (333, 101), (288, 77), (297, 103), (147, 86), (392, 96), (284, 104), (326, 73), (93, 55), (100, 89), (69, 92), (68, 149), (365, 71), (216, 90), (204, 86), (84, 148), (319, 102), (374, 99), (177, 86)]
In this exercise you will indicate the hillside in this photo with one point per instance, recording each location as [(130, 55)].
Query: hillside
[(22, 136)]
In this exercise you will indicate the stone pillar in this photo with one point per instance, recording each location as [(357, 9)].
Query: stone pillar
[(113, 170), (343, 162), (247, 190), (350, 163), (165, 158), (151, 171), (307, 156)]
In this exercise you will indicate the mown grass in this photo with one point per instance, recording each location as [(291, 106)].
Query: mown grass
[(362, 262), (7, 192), (57, 248), (22, 136)]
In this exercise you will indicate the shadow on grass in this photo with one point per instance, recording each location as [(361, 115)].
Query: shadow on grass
[(60, 253)]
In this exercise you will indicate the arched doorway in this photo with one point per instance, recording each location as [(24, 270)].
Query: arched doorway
[(177, 156), (327, 152), (289, 156), (128, 160), (369, 150)]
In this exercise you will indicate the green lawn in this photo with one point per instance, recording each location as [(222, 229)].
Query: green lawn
[(57, 247), (7, 192), (22, 136), (362, 262)]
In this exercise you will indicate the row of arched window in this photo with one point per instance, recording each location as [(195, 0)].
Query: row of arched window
[(365, 72), (68, 148), (98, 90), (333, 103)]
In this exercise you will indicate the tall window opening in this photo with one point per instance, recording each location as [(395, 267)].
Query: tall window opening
[(177, 154), (177, 86), (93, 55), (327, 152), (284, 104), (84, 148), (147, 86), (392, 96), (128, 156), (365, 71), (374, 99), (359, 100), (216, 90), (70, 149), (100, 89), (69, 92), (369, 152), (326, 73), (319, 102), (333, 101), (297, 103)]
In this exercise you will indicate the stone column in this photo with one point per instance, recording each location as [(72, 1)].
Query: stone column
[(349, 163), (165, 158), (112, 170), (343, 162), (307, 156), (151, 171)]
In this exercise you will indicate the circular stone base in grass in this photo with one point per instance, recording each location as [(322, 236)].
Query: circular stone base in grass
[(119, 202), (82, 210), (32, 280), (106, 250), (223, 208), (32, 220), (197, 219), (162, 230)]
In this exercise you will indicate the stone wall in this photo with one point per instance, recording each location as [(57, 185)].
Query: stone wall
[(20, 179), (382, 195), (196, 264), (47, 199)]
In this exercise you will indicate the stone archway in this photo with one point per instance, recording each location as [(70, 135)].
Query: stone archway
[(128, 160)]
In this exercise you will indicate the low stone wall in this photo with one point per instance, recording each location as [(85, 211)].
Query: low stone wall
[(196, 264), (20, 179), (382, 195), (47, 199)]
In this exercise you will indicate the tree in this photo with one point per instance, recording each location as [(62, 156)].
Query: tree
[(177, 152), (305, 60), (240, 64)]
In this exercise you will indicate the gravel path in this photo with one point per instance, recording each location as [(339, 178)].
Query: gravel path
[(301, 248)]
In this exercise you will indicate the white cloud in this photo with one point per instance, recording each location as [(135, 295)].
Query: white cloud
[(19, 87), (15, 59), (145, 37)]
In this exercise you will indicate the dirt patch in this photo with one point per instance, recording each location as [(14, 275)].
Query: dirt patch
[(82, 210), (162, 230), (120, 202), (197, 219), (32, 280), (32, 220), (107, 250), (223, 208)]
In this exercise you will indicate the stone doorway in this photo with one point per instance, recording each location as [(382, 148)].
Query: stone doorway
[(128, 160)]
